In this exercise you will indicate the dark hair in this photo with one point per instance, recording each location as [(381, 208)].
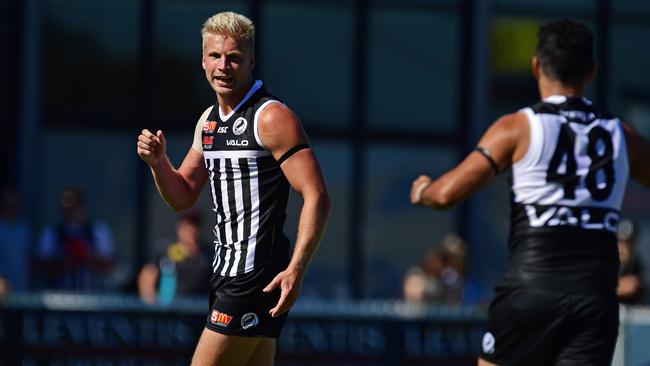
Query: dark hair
[(565, 51)]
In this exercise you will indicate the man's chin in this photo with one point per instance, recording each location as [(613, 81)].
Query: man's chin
[(222, 90)]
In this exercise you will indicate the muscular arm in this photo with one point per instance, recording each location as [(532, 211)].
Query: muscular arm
[(638, 152), (179, 188), (507, 140), (280, 130)]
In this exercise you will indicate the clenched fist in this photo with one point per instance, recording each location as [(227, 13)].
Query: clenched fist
[(418, 186), (152, 148)]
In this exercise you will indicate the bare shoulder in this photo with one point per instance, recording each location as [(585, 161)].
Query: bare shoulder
[(513, 126), (280, 129), (508, 138), (277, 116), (512, 121)]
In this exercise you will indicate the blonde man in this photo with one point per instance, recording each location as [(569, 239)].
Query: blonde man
[(250, 148)]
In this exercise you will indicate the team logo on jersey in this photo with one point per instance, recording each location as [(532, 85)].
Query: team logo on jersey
[(221, 319), (207, 141), (209, 126), (249, 320), (488, 343), (239, 126)]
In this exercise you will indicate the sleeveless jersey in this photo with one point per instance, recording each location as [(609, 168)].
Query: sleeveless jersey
[(567, 192), (249, 190)]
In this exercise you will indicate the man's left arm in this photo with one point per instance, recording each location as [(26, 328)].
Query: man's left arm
[(282, 134)]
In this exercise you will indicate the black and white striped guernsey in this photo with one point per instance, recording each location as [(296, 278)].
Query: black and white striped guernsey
[(249, 190), (567, 193)]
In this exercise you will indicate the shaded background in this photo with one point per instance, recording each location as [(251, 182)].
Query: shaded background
[(387, 90)]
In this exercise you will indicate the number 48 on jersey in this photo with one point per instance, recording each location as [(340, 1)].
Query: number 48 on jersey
[(599, 149)]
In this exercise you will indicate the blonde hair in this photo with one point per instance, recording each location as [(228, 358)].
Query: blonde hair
[(233, 25)]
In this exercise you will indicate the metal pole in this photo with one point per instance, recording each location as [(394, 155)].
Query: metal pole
[(472, 104), (359, 134), (143, 115), (30, 102), (603, 30), (255, 10)]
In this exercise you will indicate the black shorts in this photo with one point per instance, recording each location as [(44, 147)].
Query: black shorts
[(530, 327), (238, 306)]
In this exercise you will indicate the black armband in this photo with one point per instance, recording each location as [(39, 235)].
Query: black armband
[(487, 154), (292, 151)]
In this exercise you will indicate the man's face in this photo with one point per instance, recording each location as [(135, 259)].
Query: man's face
[(228, 64)]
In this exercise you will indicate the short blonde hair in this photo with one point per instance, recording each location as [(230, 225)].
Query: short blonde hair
[(233, 25)]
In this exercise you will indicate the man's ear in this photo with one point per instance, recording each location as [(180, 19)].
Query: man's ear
[(202, 62), (536, 67)]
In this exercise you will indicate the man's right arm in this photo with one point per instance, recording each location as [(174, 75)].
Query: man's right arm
[(638, 153), (180, 187), (506, 141)]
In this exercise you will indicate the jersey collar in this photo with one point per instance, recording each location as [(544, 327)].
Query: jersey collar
[(559, 99), (253, 89)]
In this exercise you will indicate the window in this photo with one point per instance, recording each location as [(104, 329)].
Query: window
[(90, 66), (412, 70), (307, 60), (396, 233)]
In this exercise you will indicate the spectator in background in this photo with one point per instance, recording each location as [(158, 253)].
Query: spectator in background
[(439, 279), (456, 249), (631, 289), (14, 244), (75, 254), (183, 270)]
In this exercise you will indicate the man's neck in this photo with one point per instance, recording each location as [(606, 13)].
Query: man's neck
[(550, 87), (228, 102)]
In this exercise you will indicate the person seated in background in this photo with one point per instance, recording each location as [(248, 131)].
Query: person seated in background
[(15, 246), (75, 254), (181, 271), (631, 289), (439, 279)]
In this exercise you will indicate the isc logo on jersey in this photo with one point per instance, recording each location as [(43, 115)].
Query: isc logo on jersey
[(223, 129)]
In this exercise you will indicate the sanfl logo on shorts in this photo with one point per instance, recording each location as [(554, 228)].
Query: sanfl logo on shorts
[(488, 343)]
